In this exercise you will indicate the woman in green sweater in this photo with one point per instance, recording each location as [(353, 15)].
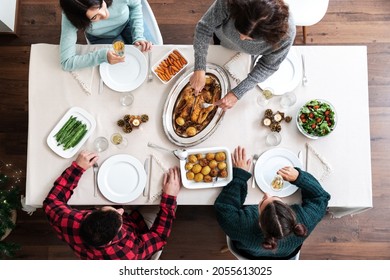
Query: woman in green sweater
[(102, 22), (271, 229)]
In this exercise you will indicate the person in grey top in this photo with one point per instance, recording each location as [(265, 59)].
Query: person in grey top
[(256, 27)]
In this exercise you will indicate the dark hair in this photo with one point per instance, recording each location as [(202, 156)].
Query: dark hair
[(277, 221), (100, 227), (267, 19), (75, 11)]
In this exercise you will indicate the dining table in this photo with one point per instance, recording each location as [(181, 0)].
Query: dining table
[(337, 74)]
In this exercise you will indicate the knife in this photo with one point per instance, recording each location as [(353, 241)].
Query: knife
[(146, 167)]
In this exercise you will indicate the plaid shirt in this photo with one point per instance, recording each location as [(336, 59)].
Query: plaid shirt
[(134, 240)]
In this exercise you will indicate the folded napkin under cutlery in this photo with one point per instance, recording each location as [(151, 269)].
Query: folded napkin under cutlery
[(85, 76), (316, 164), (156, 176), (237, 67)]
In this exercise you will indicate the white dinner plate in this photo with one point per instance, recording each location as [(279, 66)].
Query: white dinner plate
[(268, 164), (121, 178), (287, 77), (128, 75), (82, 116)]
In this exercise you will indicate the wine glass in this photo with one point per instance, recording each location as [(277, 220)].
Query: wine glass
[(119, 47), (100, 144), (118, 140), (264, 97)]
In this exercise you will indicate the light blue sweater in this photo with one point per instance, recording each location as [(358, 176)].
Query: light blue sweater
[(120, 12)]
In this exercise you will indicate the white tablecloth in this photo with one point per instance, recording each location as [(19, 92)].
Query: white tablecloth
[(336, 73)]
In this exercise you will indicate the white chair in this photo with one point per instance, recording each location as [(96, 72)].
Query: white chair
[(307, 12), (238, 255), (151, 29)]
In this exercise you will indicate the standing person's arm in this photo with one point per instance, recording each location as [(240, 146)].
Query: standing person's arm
[(69, 59), (214, 17)]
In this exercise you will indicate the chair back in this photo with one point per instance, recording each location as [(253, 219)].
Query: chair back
[(151, 30), (237, 254), (307, 12)]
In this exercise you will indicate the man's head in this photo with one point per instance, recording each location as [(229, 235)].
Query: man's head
[(101, 226)]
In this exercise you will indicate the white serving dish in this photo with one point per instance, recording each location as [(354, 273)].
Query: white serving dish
[(81, 115), (221, 182), (162, 59)]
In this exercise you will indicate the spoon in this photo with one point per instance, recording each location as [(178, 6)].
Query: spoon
[(180, 154)]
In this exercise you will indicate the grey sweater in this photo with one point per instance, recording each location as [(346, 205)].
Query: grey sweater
[(217, 20)]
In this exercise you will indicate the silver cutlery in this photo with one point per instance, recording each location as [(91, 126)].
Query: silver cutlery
[(307, 157), (147, 167), (254, 159), (300, 157), (304, 78), (206, 105), (180, 154), (101, 85), (95, 174), (150, 75)]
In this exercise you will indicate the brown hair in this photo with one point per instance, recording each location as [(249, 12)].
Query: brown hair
[(277, 221), (260, 19), (76, 11)]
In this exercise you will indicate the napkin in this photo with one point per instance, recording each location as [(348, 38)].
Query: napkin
[(84, 77), (237, 67), (157, 171), (316, 164)]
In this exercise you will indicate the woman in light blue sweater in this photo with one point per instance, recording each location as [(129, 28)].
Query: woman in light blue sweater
[(256, 27), (102, 22)]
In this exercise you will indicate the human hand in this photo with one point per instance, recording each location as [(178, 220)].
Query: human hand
[(86, 159), (172, 182), (113, 58), (288, 173), (198, 80), (227, 102), (145, 45), (240, 160)]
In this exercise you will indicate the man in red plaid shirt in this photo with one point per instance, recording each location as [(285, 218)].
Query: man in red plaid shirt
[(109, 233)]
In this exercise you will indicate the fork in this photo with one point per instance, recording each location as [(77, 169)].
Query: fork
[(304, 78), (95, 172), (254, 159), (206, 105), (150, 76)]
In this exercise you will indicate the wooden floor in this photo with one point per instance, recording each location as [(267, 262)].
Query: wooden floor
[(196, 234)]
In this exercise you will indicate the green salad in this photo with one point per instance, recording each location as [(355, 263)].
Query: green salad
[(317, 118)]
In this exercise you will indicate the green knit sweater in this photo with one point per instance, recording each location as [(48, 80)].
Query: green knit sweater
[(240, 222)]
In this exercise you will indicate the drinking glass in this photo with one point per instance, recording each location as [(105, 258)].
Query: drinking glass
[(118, 140), (126, 99), (273, 139), (100, 144), (264, 97), (119, 47), (288, 99)]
